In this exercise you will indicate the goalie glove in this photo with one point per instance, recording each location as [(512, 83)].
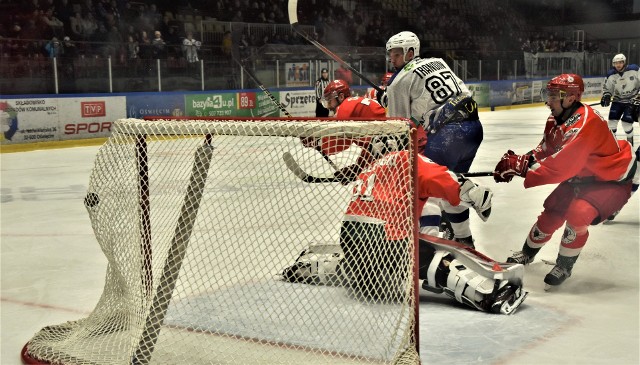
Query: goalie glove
[(510, 165), (606, 99), (477, 197)]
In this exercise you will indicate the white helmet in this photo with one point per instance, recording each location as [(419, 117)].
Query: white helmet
[(404, 40), (619, 57)]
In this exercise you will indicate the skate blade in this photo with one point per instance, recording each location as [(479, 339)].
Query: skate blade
[(550, 288), (510, 308)]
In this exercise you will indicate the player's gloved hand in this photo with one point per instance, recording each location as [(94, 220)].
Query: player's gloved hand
[(347, 174), (310, 142), (511, 165), (606, 99), (381, 97), (454, 110)]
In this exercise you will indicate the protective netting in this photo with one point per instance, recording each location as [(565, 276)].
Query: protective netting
[(198, 219)]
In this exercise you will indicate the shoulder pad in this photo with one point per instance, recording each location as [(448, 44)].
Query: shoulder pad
[(612, 71), (633, 67)]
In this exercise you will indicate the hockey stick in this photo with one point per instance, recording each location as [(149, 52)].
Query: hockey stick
[(279, 105), (293, 165), (475, 174), (293, 20), (264, 89)]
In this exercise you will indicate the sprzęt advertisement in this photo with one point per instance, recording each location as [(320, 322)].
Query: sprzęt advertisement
[(299, 103)]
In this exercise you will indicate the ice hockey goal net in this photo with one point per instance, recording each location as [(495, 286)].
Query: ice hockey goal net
[(198, 218)]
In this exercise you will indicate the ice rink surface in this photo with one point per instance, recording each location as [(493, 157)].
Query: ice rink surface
[(53, 270)]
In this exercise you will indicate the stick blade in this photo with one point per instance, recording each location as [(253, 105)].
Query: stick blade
[(292, 165), (293, 12)]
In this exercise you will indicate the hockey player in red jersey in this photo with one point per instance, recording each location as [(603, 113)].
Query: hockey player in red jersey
[(593, 170), (335, 93), (337, 98), (374, 94)]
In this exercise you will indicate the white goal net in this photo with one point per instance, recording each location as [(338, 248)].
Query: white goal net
[(199, 220)]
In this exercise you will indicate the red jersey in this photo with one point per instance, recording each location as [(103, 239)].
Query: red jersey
[(382, 191), (582, 146), (354, 107)]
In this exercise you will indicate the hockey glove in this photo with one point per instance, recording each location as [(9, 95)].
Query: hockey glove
[(381, 96), (454, 110), (347, 174), (606, 100), (511, 165)]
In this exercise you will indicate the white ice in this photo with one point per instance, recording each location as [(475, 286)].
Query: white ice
[(53, 270)]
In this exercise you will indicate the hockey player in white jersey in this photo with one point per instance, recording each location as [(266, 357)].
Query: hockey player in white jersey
[(428, 92), (621, 90)]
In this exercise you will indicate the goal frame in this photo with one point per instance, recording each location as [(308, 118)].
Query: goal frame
[(180, 242)]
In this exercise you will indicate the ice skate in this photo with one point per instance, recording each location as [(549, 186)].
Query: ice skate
[(556, 277), (524, 257), (611, 217), (560, 272)]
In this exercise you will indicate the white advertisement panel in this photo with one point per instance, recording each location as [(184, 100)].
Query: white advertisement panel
[(89, 117), (29, 120), (299, 103), (593, 87)]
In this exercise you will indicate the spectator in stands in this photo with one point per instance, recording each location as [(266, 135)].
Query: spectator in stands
[(55, 25), (158, 46), (243, 45), (54, 48), (190, 47), (69, 48), (145, 45), (227, 43)]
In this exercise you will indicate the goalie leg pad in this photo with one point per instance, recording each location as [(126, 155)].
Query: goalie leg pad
[(317, 265), (486, 294)]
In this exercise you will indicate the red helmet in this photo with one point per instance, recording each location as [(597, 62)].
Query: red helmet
[(335, 88), (386, 78), (570, 84)]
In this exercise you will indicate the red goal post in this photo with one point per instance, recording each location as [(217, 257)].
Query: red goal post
[(198, 218)]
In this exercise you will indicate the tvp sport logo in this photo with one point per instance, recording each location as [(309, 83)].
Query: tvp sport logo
[(91, 109)]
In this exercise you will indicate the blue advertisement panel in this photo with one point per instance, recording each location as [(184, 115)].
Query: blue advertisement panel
[(157, 104), (502, 92)]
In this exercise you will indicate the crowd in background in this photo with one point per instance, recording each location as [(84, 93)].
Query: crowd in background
[(126, 29)]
